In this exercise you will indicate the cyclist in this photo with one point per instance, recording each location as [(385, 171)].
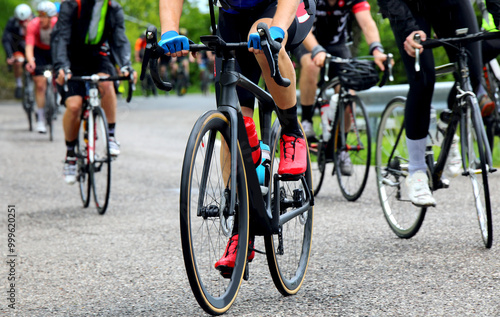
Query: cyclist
[(330, 34), (408, 18), (13, 41), (79, 44), (38, 54), (205, 60), (289, 24), (181, 64)]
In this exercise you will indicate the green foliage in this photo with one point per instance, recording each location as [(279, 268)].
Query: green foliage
[(6, 81)]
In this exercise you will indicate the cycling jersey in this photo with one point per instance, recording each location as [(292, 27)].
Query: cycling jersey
[(13, 39), (37, 36), (333, 21), (235, 6), (70, 35)]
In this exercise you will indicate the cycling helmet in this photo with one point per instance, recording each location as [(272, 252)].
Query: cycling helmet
[(47, 7), (22, 12), (358, 74)]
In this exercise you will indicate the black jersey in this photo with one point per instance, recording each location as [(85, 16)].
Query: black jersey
[(331, 25)]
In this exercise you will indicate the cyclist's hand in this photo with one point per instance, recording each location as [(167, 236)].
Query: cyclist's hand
[(277, 34), (30, 67), (319, 59), (380, 58), (60, 76), (410, 45), (126, 70), (174, 44), (11, 60)]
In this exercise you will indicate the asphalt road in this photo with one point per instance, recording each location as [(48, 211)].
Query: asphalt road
[(70, 261)]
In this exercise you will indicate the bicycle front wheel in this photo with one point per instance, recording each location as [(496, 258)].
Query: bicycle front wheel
[(83, 168), (101, 168), (352, 141), (207, 220), (473, 149), (288, 251), (391, 157)]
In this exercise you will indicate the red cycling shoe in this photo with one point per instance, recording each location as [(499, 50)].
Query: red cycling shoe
[(293, 155), (226, 264)]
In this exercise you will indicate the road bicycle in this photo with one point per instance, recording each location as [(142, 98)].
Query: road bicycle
[(345, 139), (221, 194), (392, 158), (92, 150)]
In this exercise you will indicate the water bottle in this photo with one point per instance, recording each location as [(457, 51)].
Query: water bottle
[(332, 110), (433, 129), (263, 170), (325, 124)]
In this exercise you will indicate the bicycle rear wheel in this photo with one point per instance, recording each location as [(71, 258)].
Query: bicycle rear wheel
[(473, 149), (50, 106), (83, 167), (101, 168), (288, 251), (206, 218), (352, 157), (29, 98), (391, 157)]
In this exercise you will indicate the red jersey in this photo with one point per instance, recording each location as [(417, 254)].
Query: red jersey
[(38, 37)]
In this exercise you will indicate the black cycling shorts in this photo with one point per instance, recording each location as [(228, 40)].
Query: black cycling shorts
[(92, 65), (42, 59), (235, 28)]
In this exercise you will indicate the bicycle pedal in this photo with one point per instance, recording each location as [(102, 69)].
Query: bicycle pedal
[(492, 170), (445, 183)]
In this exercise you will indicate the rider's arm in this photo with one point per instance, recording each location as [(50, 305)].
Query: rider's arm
[(7, 38), (399, 14), (370, 30), (318, 52), (30, 45), (170, 15), (285, 14), (118, 42), (61, 35)]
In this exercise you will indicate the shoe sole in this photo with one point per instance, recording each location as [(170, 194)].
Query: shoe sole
[(424, 205)]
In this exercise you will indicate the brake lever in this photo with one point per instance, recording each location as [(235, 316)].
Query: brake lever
[(151, 55), (271, 50), (131, 85), (388, 70), (417, 39)]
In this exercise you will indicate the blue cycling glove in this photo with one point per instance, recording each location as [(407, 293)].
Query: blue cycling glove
[(172, 42), (277, 34)]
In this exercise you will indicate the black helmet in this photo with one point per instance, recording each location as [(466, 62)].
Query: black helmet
[(358, 74)]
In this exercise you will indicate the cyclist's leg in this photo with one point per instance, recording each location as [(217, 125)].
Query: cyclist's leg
[(109, 102), (71, 125), (417, 111), (40, 87), (293, 142)]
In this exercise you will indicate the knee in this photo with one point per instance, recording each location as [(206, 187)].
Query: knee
[(73, 105), (107, 89)]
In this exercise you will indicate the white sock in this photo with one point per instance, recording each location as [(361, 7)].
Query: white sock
[(416, 151), (41, 114)]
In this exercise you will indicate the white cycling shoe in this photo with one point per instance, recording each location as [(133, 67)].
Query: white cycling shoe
[(114, 147), (40, 127), (419, 191)]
